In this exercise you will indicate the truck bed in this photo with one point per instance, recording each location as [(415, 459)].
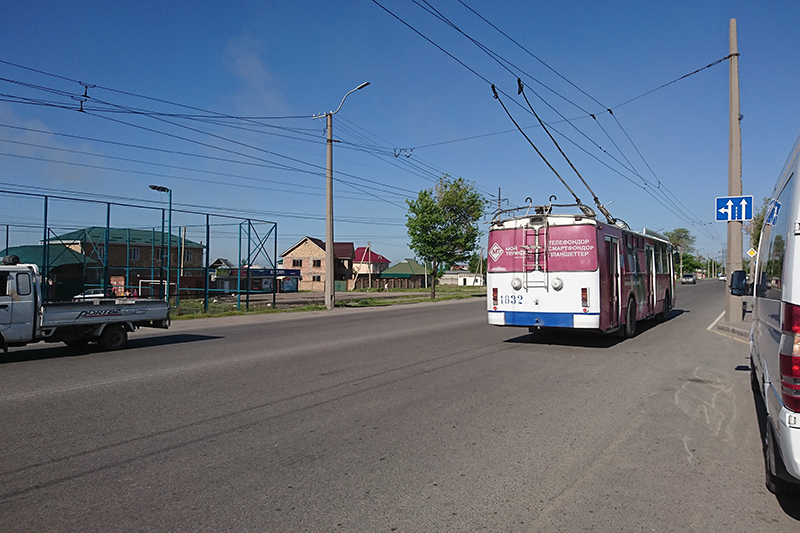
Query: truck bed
[(102, 311)]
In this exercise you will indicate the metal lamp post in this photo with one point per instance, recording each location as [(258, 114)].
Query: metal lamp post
[(159, 188), (330, 293)]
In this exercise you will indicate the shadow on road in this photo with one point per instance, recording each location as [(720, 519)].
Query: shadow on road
[(57, 350), (588, 339)]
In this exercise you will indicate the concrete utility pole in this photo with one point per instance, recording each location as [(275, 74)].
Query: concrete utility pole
[(733, 304), (330, 293)]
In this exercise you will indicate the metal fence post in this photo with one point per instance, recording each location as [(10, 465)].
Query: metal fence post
[(247, 299), (208, 251), (45, 259), (106, 241)]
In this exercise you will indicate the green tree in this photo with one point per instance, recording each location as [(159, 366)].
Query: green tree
[(690, 263), (683, 240), (442, 223), (753, 228), (477, 263)]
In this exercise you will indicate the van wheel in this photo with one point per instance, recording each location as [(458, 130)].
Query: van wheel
[(113, 338), (774, 464), (630, 323)]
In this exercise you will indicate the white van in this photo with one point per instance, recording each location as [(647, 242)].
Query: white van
[(775, 334)]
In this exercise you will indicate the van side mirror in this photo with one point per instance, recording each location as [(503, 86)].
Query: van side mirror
[(739, 283)]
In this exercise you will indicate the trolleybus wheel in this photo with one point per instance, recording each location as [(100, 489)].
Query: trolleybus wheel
[(630, 322), (662, 316)]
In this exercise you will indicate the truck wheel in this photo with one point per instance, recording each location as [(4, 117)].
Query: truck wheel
[(113, 338), (630, 322)]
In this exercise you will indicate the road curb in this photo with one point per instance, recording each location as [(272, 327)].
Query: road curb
[(733, 330)]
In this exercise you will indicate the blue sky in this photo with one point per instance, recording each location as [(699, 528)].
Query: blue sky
[(298, 59)]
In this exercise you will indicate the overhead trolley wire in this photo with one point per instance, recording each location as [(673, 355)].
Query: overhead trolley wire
[(577, 200), (600, 206), (502, 62)]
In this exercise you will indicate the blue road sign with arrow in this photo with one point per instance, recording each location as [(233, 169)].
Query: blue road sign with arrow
[(734, 208)]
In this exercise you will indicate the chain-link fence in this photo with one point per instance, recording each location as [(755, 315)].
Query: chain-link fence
[(88, 249)]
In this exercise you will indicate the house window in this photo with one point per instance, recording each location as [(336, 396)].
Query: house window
[(134, 254), (317, 263), (316, 278), (100, 250), (188, 255), (297, 263)]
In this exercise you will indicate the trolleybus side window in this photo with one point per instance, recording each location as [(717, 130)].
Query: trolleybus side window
[(632, 260), (657, 257)]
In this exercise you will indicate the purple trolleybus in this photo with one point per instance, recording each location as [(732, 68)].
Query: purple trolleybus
[(550, 270)]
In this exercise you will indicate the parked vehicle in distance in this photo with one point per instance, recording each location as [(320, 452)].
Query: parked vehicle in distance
[(688, 278), (775, 333), (90, 294), (723, 277)]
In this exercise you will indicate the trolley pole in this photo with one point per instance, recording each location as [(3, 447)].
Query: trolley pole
[(733, 304)]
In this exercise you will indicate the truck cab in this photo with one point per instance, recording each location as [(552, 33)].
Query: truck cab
[(18, 301)]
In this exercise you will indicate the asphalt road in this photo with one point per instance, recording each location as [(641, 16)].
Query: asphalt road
[(411, 418)]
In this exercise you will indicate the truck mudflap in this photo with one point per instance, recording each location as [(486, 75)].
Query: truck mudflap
[(160, 324)]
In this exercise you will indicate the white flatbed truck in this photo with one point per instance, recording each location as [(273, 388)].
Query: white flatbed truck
[(25, 318)]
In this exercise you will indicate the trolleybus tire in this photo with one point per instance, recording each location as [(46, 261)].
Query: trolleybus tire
[(630, 321), (662, 316)]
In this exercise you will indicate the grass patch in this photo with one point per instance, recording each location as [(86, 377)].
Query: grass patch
[(189, 309), (193, 308)]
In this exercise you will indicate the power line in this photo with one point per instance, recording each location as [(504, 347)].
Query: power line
[(503, 63), (276, 165)]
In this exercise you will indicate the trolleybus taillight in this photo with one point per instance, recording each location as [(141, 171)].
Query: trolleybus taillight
[(790, 356), (585, 297), (494, 296)]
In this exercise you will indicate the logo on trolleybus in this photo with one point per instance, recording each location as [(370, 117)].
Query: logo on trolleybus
[(496, 251)]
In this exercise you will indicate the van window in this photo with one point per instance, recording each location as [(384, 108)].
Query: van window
[(23, 284), (3, 283), (773, 249)]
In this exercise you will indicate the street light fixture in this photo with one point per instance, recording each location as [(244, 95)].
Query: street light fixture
[(159, 188), (330, 294)]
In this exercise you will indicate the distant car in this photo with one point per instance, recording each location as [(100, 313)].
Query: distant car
[(688, 278), (91, 294), (723, 277)]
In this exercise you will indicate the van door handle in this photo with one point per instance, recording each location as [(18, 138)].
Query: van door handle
[(3, 306)]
